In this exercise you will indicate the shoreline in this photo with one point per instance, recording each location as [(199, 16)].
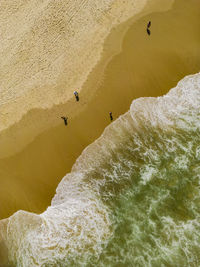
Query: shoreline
[(35, 172), (66, 191)]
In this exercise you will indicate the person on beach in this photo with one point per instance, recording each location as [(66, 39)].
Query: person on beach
[(111, 117), (65, 120), (148, 26), (76, 95)]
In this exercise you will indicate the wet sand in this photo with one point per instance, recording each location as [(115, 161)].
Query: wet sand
[(48, 48), (146, 66)]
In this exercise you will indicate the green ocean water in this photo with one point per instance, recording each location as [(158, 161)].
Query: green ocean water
[(132, 198)]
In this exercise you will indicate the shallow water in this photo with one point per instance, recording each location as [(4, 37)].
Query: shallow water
[(132, 198)]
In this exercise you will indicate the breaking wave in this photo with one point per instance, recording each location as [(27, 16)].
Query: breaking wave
[(132, 198)]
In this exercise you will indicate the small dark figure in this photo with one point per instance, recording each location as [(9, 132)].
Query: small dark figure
[(76, 95), (111, 117), (65, 120), (148, 31), (149, 24)]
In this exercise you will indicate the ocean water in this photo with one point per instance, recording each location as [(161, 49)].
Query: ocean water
[(132, 198)]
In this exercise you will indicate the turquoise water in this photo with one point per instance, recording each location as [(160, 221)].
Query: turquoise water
[(132, 198)]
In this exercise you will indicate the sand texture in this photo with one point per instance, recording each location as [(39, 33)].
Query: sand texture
[(50, 51), (48, 48), (44, 58)]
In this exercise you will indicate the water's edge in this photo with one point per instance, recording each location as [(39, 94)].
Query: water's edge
[(132, 195)]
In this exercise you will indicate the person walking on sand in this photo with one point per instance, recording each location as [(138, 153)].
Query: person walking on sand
[(148, 26), (111, 117), (65, 120), (76, 95)]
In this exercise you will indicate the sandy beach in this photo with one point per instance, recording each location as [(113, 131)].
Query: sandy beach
[(37, 150), (48, 50), (44, 59)]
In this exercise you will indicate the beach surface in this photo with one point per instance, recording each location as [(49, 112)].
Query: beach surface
[(44, 58)]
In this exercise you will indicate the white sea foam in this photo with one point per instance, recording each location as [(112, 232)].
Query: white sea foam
[(74, 227), (150, 144)]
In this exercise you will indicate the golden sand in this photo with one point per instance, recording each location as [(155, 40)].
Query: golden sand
[(48, 48), (79, 60), (146, 66)]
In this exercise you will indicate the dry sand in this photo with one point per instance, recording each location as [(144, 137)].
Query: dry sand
[(146, 66), (47, 50), (82, 52)]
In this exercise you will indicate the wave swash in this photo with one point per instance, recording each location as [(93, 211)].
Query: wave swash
[(132, 198)]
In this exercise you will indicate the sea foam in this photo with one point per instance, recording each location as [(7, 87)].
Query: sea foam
[(132, 198)]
